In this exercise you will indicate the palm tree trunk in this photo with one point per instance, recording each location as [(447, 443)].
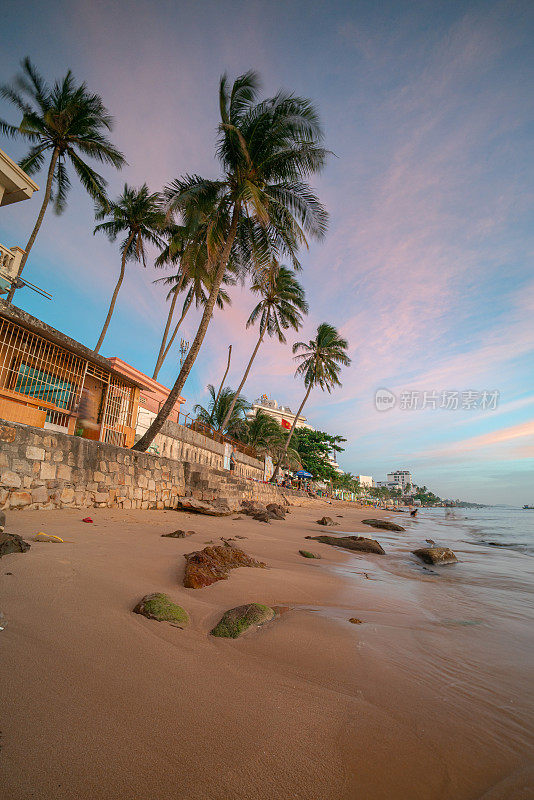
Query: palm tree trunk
[(286, 446), (115, 293), (224, 376), (31, 240), (245, 376), (177, 328), (161, 356), (168, 405)]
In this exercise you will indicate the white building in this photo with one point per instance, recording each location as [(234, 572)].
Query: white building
[(388, 485), (333, 463), (282, 414), (15, 186), (365, 481), (402, 476)]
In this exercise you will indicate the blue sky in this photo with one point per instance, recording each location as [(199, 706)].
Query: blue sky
[(427, 267)]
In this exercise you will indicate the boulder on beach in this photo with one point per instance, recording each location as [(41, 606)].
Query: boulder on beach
[(261, 512), (327, 521), (384, 524), (358, 543), (160, 607), (12, 543), (435, 555), (276, 510), (204, 567), (217, 508), (179, 534), (262, 516), (238, 620), (308, 554)]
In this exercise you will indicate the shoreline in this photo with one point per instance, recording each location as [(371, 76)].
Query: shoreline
[(102, 702)]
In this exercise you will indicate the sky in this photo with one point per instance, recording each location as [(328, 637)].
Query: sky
[(427, 265)]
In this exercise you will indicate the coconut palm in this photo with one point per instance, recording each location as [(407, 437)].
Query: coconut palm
[(196, 283), (281, 307), (266, 149), (137, 214), (321, 360), (267, 437), (216, 411), (64, 122)]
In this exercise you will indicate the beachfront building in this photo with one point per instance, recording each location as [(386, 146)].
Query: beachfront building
[(401, 476), (365, 481), (333, 463), (15, 186), (44, 373), (151, 397), (281, 414), (393, 485)]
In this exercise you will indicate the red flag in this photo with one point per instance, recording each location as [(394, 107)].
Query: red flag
[(286, 424)]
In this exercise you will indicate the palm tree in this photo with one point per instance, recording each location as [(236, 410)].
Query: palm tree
[(321, 360), (66, 122), (266, 149), (137, 214), (216, 412), (267, 437), (280, 308), (197, 283)]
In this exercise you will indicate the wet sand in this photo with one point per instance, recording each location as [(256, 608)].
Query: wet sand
[(98, 702)]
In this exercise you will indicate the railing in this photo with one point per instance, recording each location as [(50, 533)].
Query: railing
[(217, 436)]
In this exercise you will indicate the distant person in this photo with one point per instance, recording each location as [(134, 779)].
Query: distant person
[(233, 460), (413, 512)]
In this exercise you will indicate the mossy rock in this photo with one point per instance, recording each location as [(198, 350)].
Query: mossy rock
[(308, 554), (237, 620), (160, 607)]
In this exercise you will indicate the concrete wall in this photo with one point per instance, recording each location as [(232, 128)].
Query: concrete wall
[(43, 470)]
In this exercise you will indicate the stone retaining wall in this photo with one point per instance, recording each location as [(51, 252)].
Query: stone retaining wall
[(183, 444), (43, 470)]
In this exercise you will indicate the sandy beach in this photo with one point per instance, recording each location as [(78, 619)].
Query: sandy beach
[(98, 702)]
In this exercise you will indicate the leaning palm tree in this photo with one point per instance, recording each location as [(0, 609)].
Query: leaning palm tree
[(65, 122), (267, 150), (321, 360), (197, 285), (281, 307), (215, 413), (136, 214)]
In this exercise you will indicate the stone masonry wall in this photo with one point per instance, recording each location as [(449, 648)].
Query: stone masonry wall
[(41, 469)]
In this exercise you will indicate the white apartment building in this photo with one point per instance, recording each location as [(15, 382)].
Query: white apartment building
[(333, 463), (365, 481), (15, 185), (388, 485), (282, 414), (402, 476)]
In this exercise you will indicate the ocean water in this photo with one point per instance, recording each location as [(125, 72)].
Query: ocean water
[(512, 528)]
